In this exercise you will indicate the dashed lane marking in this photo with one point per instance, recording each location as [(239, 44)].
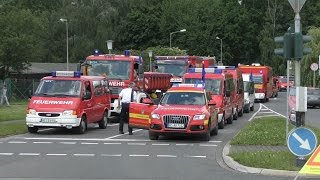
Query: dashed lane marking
[(158, 144), (89, 143), (17, 142), (113, 143), (67, 142), (166, 155), (111, 137), (196, 156), (85, 155), (184, 144), (56, 154), (111, 155), (208, 145), (138, 144), (29, 154), (215, 141), (6, 154), (42, 142), (138, 155)]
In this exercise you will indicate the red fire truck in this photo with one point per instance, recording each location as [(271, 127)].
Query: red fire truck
[(262, 77), (120, 70), (238, 81), (221, 88), (179, 65), (184, 109)]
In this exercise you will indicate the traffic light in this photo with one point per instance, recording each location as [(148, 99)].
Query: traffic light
[(287, 42), (299, 49)]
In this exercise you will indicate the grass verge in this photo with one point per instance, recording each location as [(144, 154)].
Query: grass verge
[(13, 129), (16, 111), (268, 131)]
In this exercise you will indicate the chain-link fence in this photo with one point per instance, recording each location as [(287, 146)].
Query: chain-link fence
[(19, 89)]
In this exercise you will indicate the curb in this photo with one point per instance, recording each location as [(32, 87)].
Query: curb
[(239, 167)]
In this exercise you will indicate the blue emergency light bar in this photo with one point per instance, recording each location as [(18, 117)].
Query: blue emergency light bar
[(65, 73), (188, 85), (207, 70), (170, 57), (126, 53), (224, 67), (97, 52)]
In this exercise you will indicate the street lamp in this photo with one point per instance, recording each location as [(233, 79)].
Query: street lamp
[(150, 56), (182, 30), (220, 49), (109, 45), (66, 21)]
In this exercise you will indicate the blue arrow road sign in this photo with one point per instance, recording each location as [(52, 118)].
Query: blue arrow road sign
[(302, 141)]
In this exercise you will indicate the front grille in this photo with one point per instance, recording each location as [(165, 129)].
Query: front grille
[(49, 114), (175, 119)]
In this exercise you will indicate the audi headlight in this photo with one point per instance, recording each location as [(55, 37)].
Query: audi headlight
[(155, 116), (199, 117), (32, 112), (68, 113)]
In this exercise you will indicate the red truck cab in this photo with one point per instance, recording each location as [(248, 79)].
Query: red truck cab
[(184, 109), (68, 100), (221, 88)]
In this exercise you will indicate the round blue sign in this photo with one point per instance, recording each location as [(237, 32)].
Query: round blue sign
[(302, 141)]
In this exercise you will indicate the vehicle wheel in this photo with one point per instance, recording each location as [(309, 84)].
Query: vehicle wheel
[(230, 119), (81, 129), (240, 114), (235, 116), (33, 130), (215, 130), (252, 108), (104, 121), (247, 110), (267, 99), (221, 123), (276, 95), (207, 136), (153, 136)]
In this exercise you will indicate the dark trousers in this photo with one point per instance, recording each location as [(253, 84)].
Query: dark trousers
[(124, 116)]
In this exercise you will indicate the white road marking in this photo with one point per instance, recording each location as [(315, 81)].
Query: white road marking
[(163, 155), (139, 144), (264, 109), (29, 154), (139, 155), (112, 143), (208, 145), (196, 156), (17, 142), (184, 144), (86, 139), (112, 155), (56, 154), (266, 116), (267, 112), (123, 134), (215, 141), (86, 155), (6, 154), (260, 106), (89, 143), (67, 142), (275, 111), (42, 142), (116, 124), (158, 144)]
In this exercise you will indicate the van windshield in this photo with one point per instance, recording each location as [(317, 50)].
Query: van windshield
[(211, 85), (59, 88)]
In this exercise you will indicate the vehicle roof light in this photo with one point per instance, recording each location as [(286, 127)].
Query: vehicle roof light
[(97, 52), (66, 73), (207, 70), (224, 67), (188, 85), (170, 57), (126, 52)]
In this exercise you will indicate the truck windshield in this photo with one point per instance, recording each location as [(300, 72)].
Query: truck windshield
[(175, 69), (59, 88), (212, 85), (183, 98), (111, 69), (257, 79)]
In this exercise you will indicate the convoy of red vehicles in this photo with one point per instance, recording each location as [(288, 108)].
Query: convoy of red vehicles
[(206, 98)]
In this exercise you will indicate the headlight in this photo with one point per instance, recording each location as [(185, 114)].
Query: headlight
[(32, 112), (155, 116), (68, 113), (247, 101), (199, 117)]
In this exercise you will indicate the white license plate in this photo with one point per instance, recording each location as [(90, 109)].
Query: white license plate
[(48, 120), (175, 125)]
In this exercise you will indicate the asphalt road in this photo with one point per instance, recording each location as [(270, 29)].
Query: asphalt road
[(104, 154)]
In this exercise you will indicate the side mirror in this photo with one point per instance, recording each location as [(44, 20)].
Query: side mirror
[(227, 93), (147, 101), (212, 102)]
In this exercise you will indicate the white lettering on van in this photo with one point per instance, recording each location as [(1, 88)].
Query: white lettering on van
[(52, 102), (116, 83)]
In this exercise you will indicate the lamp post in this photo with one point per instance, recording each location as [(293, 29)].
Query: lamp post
[(150, 56), (66, 21), (220, 49), (109, 45), (182, 30)]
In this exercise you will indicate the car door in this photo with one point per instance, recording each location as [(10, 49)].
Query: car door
[(139, 113), (87, 105)]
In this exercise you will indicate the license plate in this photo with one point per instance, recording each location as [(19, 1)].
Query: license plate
[(47, 120), (175, 125)]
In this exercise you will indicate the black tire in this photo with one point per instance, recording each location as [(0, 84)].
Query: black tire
[(81, 129), (267, 99), (207, 136), (235, 116), (221, 124), (215, 130), (33, 130), (252, 108), (240, 114), (230, 119), (276, 95), (104, 121), (153, 136), (247, 110)]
